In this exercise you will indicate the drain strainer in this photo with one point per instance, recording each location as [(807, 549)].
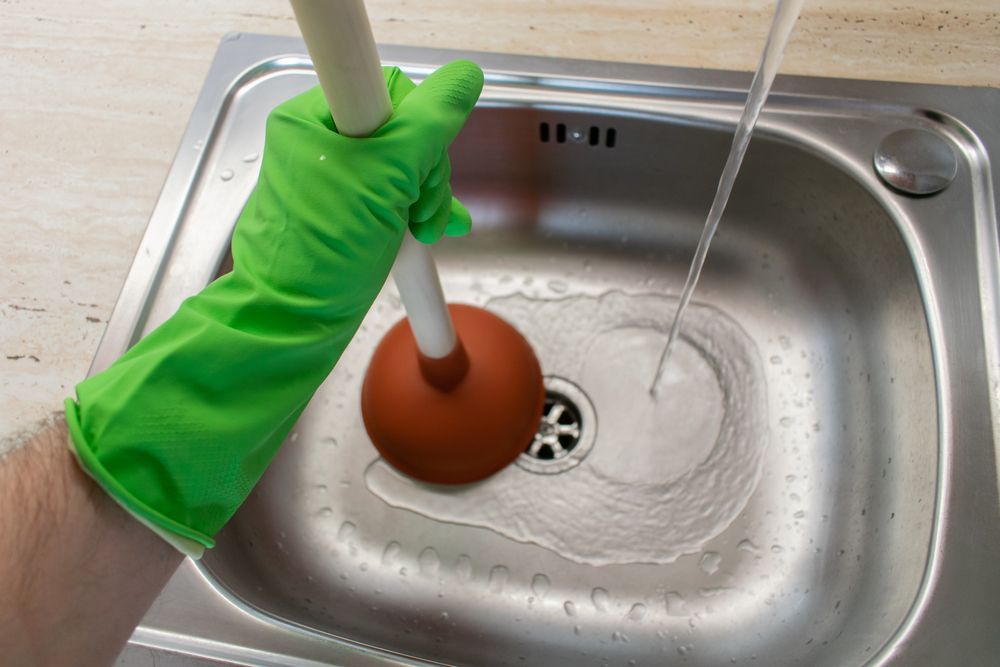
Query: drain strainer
[(566, 433)]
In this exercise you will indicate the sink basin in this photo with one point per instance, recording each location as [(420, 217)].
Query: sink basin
[(819, 485)]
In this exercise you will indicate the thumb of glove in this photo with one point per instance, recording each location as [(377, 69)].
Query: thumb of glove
[(436, 110)]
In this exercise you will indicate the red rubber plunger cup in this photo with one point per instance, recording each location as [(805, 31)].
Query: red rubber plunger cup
[(457, 419)]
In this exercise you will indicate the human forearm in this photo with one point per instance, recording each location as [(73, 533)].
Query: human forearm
[(76, 571)]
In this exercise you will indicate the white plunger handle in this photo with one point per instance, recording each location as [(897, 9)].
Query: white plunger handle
[(342, 47)]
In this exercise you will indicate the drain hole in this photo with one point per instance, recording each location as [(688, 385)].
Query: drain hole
[(561, 133), (609, 137), (592, 134), (559, 431)]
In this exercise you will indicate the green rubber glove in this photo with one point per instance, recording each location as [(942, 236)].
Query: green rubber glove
[(181, 428)]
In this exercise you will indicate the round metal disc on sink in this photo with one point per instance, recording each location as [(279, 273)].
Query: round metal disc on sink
[(916, 162)]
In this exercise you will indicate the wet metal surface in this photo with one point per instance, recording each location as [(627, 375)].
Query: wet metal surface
[(872, 325), (916, 162)]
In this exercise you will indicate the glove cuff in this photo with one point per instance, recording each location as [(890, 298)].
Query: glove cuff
[(186, 540)]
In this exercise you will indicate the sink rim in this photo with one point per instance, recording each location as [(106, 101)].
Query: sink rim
[(243, 56)]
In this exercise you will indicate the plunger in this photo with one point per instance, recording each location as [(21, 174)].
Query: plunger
[(452, 394)]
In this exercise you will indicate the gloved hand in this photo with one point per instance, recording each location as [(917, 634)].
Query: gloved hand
[(180, 428)]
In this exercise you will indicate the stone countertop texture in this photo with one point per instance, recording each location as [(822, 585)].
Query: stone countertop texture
[(95, 96)]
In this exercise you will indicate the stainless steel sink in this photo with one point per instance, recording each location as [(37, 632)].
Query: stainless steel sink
[(860, 525)]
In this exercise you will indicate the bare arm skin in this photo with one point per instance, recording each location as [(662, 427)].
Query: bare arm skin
[(77, 572)]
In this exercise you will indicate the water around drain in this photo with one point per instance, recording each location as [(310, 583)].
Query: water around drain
[(667, 472)]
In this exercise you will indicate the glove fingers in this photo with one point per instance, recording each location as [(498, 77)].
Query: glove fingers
[(435, 198), (430, 118), (440, 173), (433, 193), (399, 85), (460, 220), (433, 228)]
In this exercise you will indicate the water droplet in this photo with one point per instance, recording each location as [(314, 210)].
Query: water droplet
[(776, 549), (600, 598), (587, 266), (444, 616), (800, 514), (577, 629), (569, 608), (332, 442), (540, 585), (322, 157), (775, 360), (795, 498), (226, 174), (463, 568), (391, 552), (558, 286), (429, 561), (748, 546), (712, 591), (637, 612), (676, 604), (710, 562), (685, 649), (403, 571), (789, 478), (346, 531), (785, 421), (251, 157), (498, 578), (324, 512), (618, 636)]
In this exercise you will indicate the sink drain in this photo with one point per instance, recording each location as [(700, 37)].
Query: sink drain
[(566, 432)]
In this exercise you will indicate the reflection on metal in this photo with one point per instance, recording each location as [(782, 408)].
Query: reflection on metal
[(873, 320), (916, 162)]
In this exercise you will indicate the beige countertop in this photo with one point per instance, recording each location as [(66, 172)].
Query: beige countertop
[(95, 97)]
